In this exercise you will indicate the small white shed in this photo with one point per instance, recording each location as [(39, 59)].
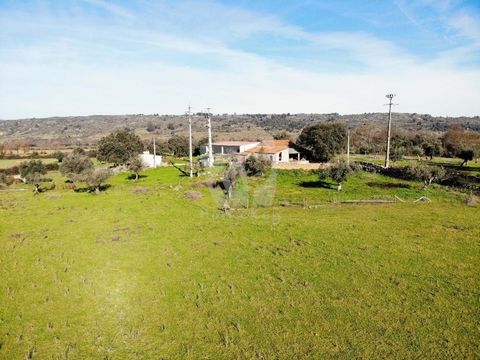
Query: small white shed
[(151, 160)]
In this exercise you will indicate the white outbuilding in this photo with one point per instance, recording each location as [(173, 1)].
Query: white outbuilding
[(151, 160)]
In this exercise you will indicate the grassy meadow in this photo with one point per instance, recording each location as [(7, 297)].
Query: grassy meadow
[(141, 271), (8, 163)]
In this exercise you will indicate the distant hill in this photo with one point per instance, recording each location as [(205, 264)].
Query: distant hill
[(87, 130)]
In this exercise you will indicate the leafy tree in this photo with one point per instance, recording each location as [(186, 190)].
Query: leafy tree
[(32, 172), (339, 173), (135, 165), (257, 165), (323, 141), (75, 166), (119, 147), (431, 149), (59, 155), (457, 139), (466, 155), (368, 138), (397, 153), (97, 177), (178, 145)]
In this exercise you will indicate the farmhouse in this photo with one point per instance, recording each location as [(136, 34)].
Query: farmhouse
[(278, 151), (229, 147)]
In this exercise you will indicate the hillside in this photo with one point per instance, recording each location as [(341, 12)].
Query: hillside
[(86, 130)]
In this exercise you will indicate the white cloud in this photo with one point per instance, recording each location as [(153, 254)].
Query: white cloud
[(73, 69)]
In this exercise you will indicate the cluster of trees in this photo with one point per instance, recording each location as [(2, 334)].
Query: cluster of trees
[(455, 142), (177, 145)]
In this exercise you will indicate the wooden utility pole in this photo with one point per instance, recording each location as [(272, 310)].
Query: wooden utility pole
[(389, 129), (190, 151), (210, 150)]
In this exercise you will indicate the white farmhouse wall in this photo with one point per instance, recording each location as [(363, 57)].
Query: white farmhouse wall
[(148, 159)]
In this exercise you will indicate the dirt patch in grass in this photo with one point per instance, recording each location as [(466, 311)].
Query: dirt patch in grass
[(193, 195)]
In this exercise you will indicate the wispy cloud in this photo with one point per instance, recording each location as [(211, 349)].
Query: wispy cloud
[(111, 7), (156, 55)]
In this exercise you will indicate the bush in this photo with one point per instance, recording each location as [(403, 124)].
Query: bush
[(466, 155), (32, 172), (75, 166), (135, 165), (426, 174), (257, 165), (339, 173), (6, 179), (59, 155), (397, 153), (96, 178)]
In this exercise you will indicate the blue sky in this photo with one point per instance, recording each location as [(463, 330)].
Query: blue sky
[(79, 57)]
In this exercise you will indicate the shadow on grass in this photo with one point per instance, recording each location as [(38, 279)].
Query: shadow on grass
[(91, 189), (387, 185), (132, 177), (316, 184), (471, 166)]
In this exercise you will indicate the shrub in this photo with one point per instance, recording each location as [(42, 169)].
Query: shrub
[(397, 153), (257, 165), (466, 155), (424, 173), (59, 155), (95, 178), (135, 165), (6, 179), (339, 173), (32, 172), (75, 166)]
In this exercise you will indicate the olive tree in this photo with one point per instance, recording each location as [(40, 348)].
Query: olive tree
[(75, 166), (32, 172), (257, 165), (339, 173), (95, 178), (135, 165)]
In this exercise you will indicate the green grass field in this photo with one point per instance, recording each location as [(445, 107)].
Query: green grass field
[(8, 163), (142, 272)]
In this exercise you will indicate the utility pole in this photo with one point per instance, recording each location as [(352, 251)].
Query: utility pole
[(154, 154), (210, 150), (190, 152), (348, 147), (389, 130)]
